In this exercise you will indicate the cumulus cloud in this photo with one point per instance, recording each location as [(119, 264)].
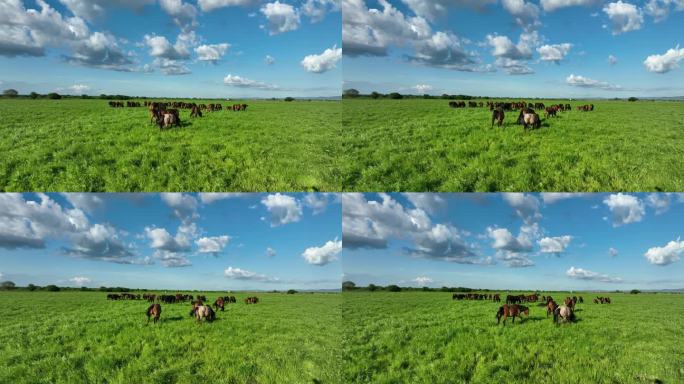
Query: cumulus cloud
[(161, 47), (184, 206), (585, 82), (555, 52), (243, 274), (211, 5), (213, 245), (317, 9), (502, 46), (555, 245), (428, 202), (212, 52), (624, 17), (243, 82), (613, 252), (317, 202), (665, 255), (659, 10), (554, 197), (422, 88), (422, 280), (322, 62), (432, 9), (324, 254), (583, 274), (211, 197), (612, 60), (666, 62), (99, 50), (100, 242), (161, 239), (80, 280), (281, 17), (93, 9), (526, 206), (625, 209), (504, 240), (79, 89), (87, 202), (660, 202), (283, 209), (552, 5), (526, 14), (184, 15)]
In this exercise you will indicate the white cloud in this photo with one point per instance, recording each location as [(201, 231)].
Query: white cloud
[(625, 209), (504, 47), (552, 5), (243, 274), (161, 239), (211, 197), (526, 206), (184, 206), (211, 52), (243, 82), (317, 202), (281, 17), (504, 240), (429, 202), (79, 89), (555, 52), (526, 14), (665, 255), (212, 245), (160, 47), (270, 252), (659, 10), (93, 9), (80, 280), (322, 62), (612, 60), (269, 60), (554, 197), (283, 209), (624, 17), (666, 62), (422, 88), (211, 5), (613, 252), (432, 9), (659, 201), (87, 202), (585, 82), (583, 274), (423, 280), (184, 15), (556, 245), (324, 254), (317, 9)]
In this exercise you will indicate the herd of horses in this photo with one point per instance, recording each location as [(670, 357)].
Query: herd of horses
[(167, 114), (562, 313), (199, 310), (528, 116)]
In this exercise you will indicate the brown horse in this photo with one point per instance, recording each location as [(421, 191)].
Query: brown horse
[(569, 302), (498, 116), (219, 303), (551, 307), (251, 300), (514, 310), (154, 311)]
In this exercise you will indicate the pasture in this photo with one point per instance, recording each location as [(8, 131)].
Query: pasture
[(80, 337), (423, 145), (86, 146), (426, 337)]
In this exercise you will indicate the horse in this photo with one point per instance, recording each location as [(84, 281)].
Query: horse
[(154, 311), (551, 307), (498, 117), (569, 302), (204, 312), (563, 313), (219, 303), (514, 310), (529, 117)]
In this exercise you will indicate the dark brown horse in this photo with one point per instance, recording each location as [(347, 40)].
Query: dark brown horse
[(498, 116), (551, 308), (514, 310), (251, 300), (154, 311), (219, 303)]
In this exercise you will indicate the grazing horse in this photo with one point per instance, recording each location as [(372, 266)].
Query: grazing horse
[(251, 300), (195, 112), (569, 302), (514, 310), (154, 311), (529, 117), (498, 116), (563, 313), (219, 303), (204, 312), (551, 307)]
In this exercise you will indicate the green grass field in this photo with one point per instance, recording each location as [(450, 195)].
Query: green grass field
[(425, 337), (423, 145), (84, 145), (80, 337)]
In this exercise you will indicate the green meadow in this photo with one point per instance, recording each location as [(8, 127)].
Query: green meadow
[(80, 337), (86, 146), (426, 337), (423, 145)]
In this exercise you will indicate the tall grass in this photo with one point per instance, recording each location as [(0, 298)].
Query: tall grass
[(84, 145), (75, 337), (416, 337), (423, 145)]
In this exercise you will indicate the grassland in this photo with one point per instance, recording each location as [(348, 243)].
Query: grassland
[(79, 337), (84, 145), (425, 337), (423, 145)]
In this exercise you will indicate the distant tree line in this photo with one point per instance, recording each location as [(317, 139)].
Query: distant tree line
[(351, 286)]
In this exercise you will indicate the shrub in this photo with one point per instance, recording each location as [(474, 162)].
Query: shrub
[(52, 288), (54, 96), (10, 93), (7, 285), (394, 288)]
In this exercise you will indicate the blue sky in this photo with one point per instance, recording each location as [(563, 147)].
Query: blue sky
[(515, 241), (175, 48), (172, 241), (515, 48)]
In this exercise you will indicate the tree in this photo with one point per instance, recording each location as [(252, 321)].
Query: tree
[(10, 93), (394, 288), (633, 99), (291, 291), (375, 95), (351, 93), (289, 98), (52, 288), (32, 287), (348, 286), (396, 96), (635, 291), (7, 285), (34, 95), (54, 96), (372, 287)]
